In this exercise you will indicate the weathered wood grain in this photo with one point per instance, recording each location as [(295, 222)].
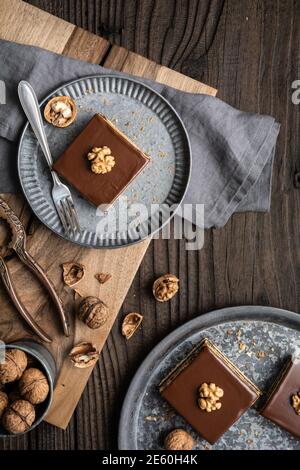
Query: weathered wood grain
[(250, 51)]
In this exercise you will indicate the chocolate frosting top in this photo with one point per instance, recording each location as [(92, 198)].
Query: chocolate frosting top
[(182, 394), (278, 407), (75, 168)]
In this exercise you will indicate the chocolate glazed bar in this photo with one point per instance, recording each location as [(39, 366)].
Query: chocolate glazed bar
[(279, 405), (203, 368), (73, 165)]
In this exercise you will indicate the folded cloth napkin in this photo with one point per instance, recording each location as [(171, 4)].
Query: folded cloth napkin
[(233, 151)]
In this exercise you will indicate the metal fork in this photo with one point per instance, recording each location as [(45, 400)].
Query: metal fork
[(60, 193)]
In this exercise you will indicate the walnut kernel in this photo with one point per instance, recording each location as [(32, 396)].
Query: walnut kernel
[(93, 312), (13, 367), (102, 161), (34, 386), (19, 417), (60, 111), (179, 439), (131, 323), (72, 273), (296, 402), (209, 396), (165, 287), (84, 355), (102, 278), (3, 402)]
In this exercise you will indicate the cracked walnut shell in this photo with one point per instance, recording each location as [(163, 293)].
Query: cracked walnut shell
[(84, 355), (102, 278), (296, 403), (61, 111), (3, 402), (165, 287), (13, 367), (19, 417), (131, 323), (72, 273), (34, 386), (102, 161), (179, 439), (210, 395), (93, 312)]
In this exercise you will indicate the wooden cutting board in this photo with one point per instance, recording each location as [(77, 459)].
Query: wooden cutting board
[(23, 23)]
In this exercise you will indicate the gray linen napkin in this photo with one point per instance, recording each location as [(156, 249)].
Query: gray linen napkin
[(233, 151)]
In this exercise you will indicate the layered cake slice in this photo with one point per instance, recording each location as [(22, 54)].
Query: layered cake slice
[(209, 391), (101, 162)]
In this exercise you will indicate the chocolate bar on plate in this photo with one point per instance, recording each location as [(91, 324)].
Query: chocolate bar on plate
[(101, 183), (209, 391), (283, 402)]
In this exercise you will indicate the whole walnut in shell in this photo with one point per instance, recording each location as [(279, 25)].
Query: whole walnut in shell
[(3, 402), (34, 386), (13, 366), (19, 417), (93, 312), (165, 287), (179, 439)]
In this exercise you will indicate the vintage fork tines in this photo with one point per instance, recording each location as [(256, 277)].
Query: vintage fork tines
[(61, 194), (18, 245)]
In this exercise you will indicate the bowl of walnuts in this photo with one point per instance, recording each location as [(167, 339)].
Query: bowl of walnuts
[(27, 375)]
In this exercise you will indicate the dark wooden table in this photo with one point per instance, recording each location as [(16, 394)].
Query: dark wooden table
[(250, 51)]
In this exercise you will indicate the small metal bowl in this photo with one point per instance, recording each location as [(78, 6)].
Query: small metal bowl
[(47, 365)]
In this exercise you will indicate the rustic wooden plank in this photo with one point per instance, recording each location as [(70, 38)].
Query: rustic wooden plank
[(30, 27), (135, 64), (87, 46), (122, 264)]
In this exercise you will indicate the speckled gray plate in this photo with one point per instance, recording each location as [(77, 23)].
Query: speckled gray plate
[(150, 121), (146, 418)]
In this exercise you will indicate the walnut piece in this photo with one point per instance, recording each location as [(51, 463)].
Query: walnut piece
[(18, 417), (34, 386), (210, 395), (165, 287), (296, 402), (84, 355), (60, 111), (13, 367), (179, 439), (131, 323), (93, 312), (102, 161), (3, 402), (72, 273), (102, 278)]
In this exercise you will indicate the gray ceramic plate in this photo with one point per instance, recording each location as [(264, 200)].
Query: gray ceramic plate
[(146, 418), (150, 121)]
